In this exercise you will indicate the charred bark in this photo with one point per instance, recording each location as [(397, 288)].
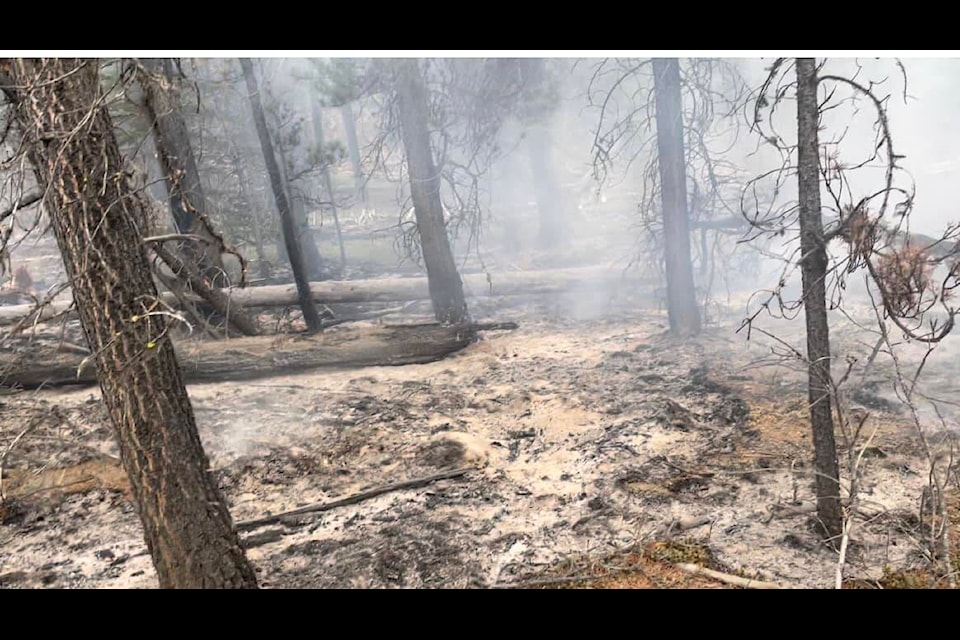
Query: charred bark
[(291, 241), (814, 272), (681, 297), (98, 225), (446, 289)]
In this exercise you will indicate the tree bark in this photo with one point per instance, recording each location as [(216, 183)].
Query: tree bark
[(179, 166), (291, 241), (98, 225), (682, 307), (814, 273), (446, 289)]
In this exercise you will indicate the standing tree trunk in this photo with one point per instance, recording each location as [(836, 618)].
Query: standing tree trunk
[(681, 299), (312, 259), (98, 220), (446, 288), (814, 273), (179, 166), (551, 211), (353, 147), (236, 159), (291, 241), (552, 216), (317, 117)]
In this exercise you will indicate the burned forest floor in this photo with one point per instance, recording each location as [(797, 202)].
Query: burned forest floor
[(585, 448)]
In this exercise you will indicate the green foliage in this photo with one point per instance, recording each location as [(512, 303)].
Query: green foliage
[(338, 81)]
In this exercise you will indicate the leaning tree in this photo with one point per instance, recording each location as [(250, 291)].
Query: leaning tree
[(161, 86), (292, 239), (98, 219)]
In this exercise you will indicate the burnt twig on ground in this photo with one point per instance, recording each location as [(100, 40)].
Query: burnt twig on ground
[(283, 518), (726, 578)]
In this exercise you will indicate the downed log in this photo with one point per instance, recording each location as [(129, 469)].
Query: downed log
[(37, 364), (394, 289), (390, 289)]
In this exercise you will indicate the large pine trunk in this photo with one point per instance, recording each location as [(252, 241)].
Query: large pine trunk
[(98, 223), (179, 165), (682, 308), (446, 289), (814, 273), (290, 238)]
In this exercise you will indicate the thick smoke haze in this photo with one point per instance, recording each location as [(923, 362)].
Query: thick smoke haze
[(920, 110)]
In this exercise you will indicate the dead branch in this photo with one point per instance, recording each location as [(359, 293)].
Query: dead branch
[(737, 581), (367, 315), (680, 525), (22, 203), (215, 297), (33, 424), (177, 236), (549, 582), (177, 288), (285, 516)]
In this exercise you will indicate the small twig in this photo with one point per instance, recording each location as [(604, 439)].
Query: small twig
[(854, 477), (247, 525), (366, 315), (789, 511), (945, 537), (680, 525), (6, 452), (844, 543), (22, 203), (494, 326), (548, 582), (702, 474), (746, 583), (177, 236)]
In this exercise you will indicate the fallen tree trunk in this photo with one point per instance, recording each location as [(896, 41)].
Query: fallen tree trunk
[(394, 289), (390, 289), (42, 365)]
